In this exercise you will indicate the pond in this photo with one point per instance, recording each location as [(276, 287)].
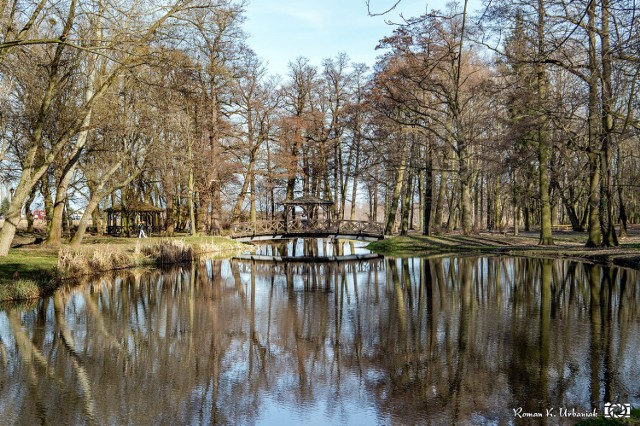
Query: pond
[(441, 340)]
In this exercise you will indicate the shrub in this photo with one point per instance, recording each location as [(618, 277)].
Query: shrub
[(168, 252), (21, 289)]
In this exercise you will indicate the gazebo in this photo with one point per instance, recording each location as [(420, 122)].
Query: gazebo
[(128, 218), (313, 211)]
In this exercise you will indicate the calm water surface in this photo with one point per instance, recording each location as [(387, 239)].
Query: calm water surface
[(449, 340)]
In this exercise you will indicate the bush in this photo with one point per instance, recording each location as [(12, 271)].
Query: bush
[(20, 290), (169, 252)]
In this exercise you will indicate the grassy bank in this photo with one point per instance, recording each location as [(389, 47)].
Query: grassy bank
[(567, 245), (31, 271), (27, 273)]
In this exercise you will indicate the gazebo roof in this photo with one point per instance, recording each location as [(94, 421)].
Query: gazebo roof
[(134, 206), (307, 200)]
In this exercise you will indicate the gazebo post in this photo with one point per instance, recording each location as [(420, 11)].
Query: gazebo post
[(286, 218), (310, 205)]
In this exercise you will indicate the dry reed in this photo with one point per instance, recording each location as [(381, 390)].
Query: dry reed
[(86, 260), (22, 289), (168, 252), (90, 260)]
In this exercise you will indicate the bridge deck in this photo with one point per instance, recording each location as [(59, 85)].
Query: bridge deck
[(323, 228)]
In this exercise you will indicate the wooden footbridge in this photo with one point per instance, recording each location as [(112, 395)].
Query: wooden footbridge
[(308, 217), (301, 228)]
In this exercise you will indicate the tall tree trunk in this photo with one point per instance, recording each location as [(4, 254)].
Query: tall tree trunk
[(374, 205), (595, 236), (393, 203), (95, 214), (356, 174), (609, 238), (55, 231), (170, 220), (215, 186), (190, 196), (516, 204), (544, 145), (84, 220), (463, 148), (27, 208), (306, 171), (451, 219), (621, 199), (293, 171), (252, 198), (428, 195), (465, 190), (584, 221), (248, 181), (47, 200), (407, 203), (442, 190), (98, 194), (571, 211), (339, 177)]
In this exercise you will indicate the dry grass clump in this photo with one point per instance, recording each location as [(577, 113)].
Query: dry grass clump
[(168, 252), (89, 260), (93, 258), (22, 289), (206, 247)]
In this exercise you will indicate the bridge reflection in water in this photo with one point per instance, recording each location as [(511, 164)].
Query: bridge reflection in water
[(310, 250)]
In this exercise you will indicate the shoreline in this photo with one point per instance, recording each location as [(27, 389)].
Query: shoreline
[(32, 271), (568, 245)]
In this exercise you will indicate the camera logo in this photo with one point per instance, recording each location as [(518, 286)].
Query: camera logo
[(617, 411)]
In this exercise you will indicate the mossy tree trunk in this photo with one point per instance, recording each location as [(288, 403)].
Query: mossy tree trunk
[(544, 144)]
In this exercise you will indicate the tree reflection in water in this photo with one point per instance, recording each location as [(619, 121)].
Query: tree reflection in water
[(438, 340)]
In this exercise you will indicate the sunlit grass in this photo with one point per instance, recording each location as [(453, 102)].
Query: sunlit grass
[(27, 273), (22, 263), (416, 244), (567, 245)]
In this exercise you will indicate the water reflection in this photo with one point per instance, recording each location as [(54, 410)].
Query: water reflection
[(409, 341), (312, 247)]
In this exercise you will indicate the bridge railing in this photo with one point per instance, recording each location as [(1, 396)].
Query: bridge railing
[(360, 227), (304, 226)]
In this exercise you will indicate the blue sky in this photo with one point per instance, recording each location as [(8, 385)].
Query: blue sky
[(282, 30)]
